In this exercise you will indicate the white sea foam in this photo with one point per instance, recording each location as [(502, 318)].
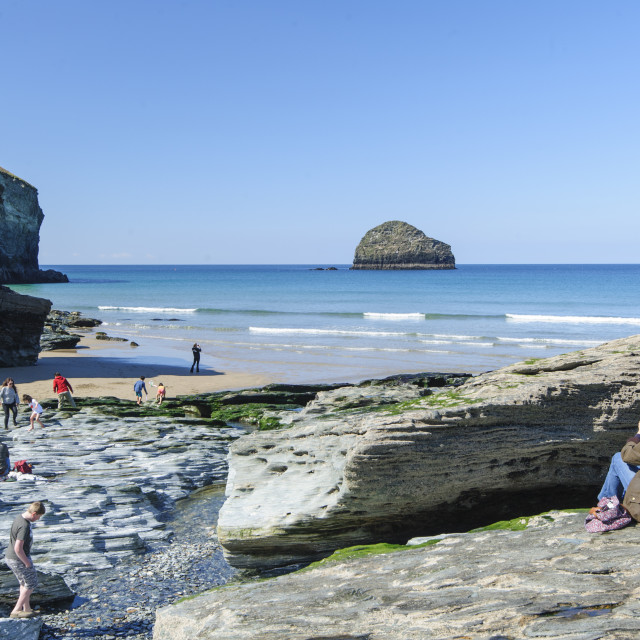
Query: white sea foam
[(328, 332), (551, 341), (477, 344), (146, 309), (516, 317), (394, 316)]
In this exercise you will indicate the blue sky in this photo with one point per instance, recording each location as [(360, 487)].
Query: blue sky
[(265, 131)]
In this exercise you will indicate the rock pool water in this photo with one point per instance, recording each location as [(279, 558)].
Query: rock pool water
[(128, 524)]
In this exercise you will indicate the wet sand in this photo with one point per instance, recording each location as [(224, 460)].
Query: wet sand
[(98, 368)]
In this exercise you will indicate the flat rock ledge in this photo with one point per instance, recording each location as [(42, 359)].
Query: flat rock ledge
[(528, 438), (107, 482), (548, 580)]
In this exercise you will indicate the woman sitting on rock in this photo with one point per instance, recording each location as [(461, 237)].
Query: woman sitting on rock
[(624, 466)]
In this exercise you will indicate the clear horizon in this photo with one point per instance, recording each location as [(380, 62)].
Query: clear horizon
[(210, 132)]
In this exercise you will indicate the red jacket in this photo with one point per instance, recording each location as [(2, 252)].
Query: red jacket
[(61, 384)]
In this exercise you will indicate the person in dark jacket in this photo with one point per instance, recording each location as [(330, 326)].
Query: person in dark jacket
[(196, 357)]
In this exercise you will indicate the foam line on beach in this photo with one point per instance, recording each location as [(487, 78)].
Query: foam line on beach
[(516, 317), (146, 309), (332, 332), (551, 341), (394, 316)]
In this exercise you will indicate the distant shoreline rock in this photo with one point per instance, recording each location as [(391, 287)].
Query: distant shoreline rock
[(398, 245)]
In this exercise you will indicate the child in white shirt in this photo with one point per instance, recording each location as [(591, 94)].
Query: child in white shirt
[(36, 411)]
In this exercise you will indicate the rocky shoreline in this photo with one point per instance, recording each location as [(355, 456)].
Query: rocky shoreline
[(113, 474), (132, 497), (122, 601)]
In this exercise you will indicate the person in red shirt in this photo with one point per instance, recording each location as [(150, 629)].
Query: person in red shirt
[(64, 389)]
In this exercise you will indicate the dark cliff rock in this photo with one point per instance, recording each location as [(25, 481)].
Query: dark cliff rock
[(21, 324), (398, 245), (20, 220)]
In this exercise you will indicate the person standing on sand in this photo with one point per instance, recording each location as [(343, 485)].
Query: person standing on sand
[(18, 559), (64, 390), (36, 411), (196, 357), (10, 401), (139, 387)]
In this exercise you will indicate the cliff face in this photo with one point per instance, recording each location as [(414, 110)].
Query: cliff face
[(523, 439), (398, 245), (21, 324), (20, 220)]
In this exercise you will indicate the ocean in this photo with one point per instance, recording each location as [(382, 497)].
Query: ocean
[(296, 323)]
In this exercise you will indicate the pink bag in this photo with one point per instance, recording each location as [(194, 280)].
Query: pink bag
[(607, 516)]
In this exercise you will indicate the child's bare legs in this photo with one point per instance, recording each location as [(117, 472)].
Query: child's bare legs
[(36, 417)]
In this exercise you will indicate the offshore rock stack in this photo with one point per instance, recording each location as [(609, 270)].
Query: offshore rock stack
[(398, 245)]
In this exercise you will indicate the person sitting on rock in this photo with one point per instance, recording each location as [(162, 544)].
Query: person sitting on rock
[(624, 466)]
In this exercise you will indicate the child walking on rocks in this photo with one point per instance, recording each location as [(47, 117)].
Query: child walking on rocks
[(36, 409), (18, 558)]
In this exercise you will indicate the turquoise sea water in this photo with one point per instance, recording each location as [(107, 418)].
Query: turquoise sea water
[(298, 324)]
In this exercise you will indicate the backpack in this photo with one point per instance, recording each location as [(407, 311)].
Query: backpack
[(23, 466), (607, 516), (632, 497)]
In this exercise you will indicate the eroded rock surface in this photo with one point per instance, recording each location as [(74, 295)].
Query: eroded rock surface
[(20, 220), (526, 438), (549, 580), (398, 245), (106, 482)]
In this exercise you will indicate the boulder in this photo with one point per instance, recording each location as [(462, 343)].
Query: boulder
[(14, 629), (56, 326), (543, 577), (529, 437), (51, 589), (21, 323), (398, 245), (20, 220)]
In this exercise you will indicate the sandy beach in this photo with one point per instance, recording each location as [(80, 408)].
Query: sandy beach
[(98, 368)]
